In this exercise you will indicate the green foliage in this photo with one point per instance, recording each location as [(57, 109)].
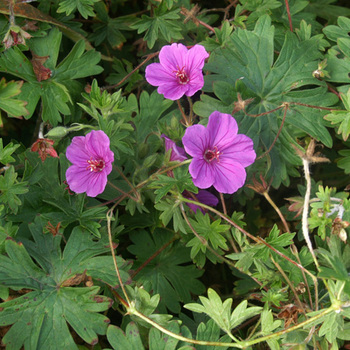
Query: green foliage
[(246, 66), (53, 301), (56, 87), (164, 25), (281, 69), (10, 188), (220, 311), (342, 118), (8, 103), (6, 152), (85, 7), (211, 232), (165, 273)]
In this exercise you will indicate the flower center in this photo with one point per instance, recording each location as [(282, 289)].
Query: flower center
[(210, 155), (182, 75), (96, 165)]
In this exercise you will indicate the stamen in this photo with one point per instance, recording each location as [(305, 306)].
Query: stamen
[(210, 155), (96, 165), (182, 75)]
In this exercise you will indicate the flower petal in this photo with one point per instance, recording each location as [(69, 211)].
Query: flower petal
[(172, 57), (203, 174), (97, 144), (240, 151), (229, 176), (157, 75), (196, 140), (76, 152), (195, 84), (172, 90), (222, 129), (196, 57), (207, 198), (177, 153)]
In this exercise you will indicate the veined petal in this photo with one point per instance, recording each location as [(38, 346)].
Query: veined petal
[(195, 84), (195, 57), (172, 57), (77, 178), (203, 174), (177, 153), (97, 184), (76, 152), (240, 151), (222, 129), (229, 177), (196, 140), (156, 75), (172, 90), (97, 143)]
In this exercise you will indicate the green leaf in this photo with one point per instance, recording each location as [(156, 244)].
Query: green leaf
[(167, 270), (164, 24), (220, 311), (130, 340), (212, 232), (341, 119), (10, 188), (57, 91), (344, 162), (10, 105), (5, 152), (85, 7), (39, 318)]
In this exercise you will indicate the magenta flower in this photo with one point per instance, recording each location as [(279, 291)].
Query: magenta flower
[(177, 153), (92, 162), (205, 197), (179, 71), (202, 196), (219, 154)]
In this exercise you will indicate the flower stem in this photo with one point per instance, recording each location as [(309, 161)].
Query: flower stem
[(186, 121)]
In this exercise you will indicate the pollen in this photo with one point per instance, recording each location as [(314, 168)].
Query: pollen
[(95, 165), (182, 75)]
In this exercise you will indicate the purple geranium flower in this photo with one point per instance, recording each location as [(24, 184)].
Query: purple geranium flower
[(219, 154), (92, 162), (178, 154), (179, 71), (202, 196)]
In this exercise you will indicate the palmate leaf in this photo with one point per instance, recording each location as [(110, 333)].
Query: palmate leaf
[(55, 91), (8, 103), (246, 63), (85, 7), (131, 340), (164, 24), (166, 272), (220, 311), (39, 318)]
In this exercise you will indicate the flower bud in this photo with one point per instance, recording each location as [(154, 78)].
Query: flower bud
[(57, 132)]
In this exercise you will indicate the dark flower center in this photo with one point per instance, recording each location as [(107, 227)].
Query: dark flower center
[(96, 165), (182, 75), (210, 155)]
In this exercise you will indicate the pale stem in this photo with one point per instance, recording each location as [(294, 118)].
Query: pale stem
[(109, 217), (305, 225), (274, 206)]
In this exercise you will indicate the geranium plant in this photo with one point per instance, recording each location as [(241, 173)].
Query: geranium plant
[(174, 174)]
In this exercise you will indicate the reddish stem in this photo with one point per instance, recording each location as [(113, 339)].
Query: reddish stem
[(289, 16), (145, 263), (278, 134)]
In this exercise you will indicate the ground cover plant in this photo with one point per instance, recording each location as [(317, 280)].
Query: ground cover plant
[(174, 174)]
